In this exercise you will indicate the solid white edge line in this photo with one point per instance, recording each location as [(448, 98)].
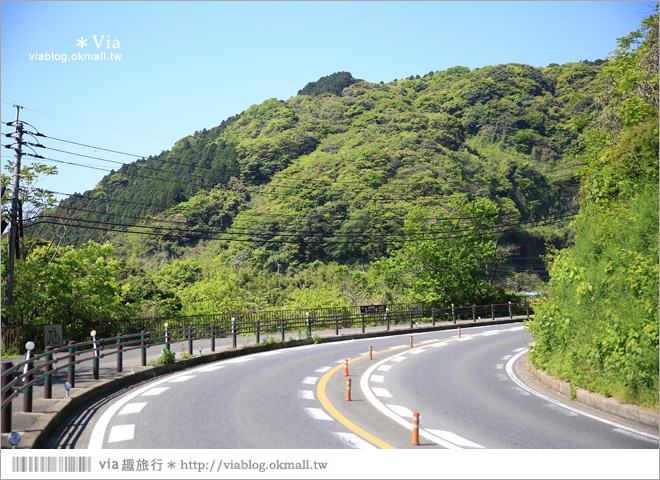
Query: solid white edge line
[(521, 384), (382, 408)]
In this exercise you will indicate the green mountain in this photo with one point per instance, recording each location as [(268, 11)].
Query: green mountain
[(331, 173)]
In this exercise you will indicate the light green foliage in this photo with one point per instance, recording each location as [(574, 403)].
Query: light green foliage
[(598, 327), (165, 357)]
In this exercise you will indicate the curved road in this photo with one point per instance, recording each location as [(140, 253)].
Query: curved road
[(466, 390)]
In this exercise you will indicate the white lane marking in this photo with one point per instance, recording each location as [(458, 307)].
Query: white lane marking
[(381, 392), (499, 366), (377, 378), (631, 434), (341, 361), (269, 353), (306, 394), (521, 384), (135, 407), (399, 359), (493, 332), (155, 391), (241, 359), (515, 329), (121, 433), (455, 439), (182, 379), (310, 380), (318, 414), (520, 391), (98, 434), (522, 349), (384, 368), (562, 411), (464, 339), (506, 357), (438, 345), (400, 410), (502, 377), (211, 369), (354, 441), (322, 369), (417, 351)]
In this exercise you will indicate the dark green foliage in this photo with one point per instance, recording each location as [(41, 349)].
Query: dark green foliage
[(334, 84)]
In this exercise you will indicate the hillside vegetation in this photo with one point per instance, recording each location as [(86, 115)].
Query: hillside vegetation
[(598, 325)]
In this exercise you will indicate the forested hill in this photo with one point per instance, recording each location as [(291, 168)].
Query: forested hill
[(331, 173)]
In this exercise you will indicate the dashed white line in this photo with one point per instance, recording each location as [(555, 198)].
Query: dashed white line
[(184, 378), (120, 433), (322, 369), (318, 414), (417, 351), (354, 441), (381, 392), (499, 366), (384, 368), (399, 359), (211, 369), (400, 410), (506, 357), (155, 391), (453, 438), (241, 359), (377, 378), (310, 380), (493, 332), (306, 394), (135, 407)]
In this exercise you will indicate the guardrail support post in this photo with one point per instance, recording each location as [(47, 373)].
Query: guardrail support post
[(258, 333), (387, 318), (167, 337), (336, 325), (48, 380), (433, 317), (233, 331), (453, 313), (474, 313), (71, 369), (27, 392), (362, 322), (119, 353), (143, 349), (283, 328), (6, 410), (190, 340), (510, 312), (492, 311), (309, 326), (527, 308), (213, 338), (411, 319)]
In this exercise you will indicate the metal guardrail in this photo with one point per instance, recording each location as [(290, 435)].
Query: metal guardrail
[(54, 360)]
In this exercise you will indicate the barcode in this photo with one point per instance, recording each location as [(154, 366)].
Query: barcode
[(51, 464)]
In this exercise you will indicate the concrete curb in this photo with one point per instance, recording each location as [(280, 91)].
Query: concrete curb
[(643, 416)]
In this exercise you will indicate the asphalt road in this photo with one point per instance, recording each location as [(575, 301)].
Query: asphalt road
[(296, 399)]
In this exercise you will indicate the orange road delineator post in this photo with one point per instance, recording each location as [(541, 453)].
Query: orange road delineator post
[(459, 332), (411, 343), (346, 367), (371, 353), (348, 389), (415, 428)]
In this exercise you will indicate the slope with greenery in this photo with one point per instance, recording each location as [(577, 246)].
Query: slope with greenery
[(598, 327)]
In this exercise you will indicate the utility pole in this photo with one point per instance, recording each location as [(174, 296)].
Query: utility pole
[(14, 215)]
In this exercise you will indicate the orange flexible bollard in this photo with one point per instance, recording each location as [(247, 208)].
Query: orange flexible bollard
[(371, 354), (348, 389), (415, 428), (346, 367), (459, 332), (411, 342)]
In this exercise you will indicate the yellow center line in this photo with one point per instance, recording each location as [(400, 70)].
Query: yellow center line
[(330, 408)]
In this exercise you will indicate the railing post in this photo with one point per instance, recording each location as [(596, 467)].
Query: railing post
[(190, 340), (71, 369), (387, 318), (119, 353), (453, 313), (492, 311), (433, 317), (411, 319), (527, 308), (6, 410), (309, 326), (233, 331), (336, 325), (258, 332), (48, 367), (213, 338), (474, 313), (167, 337), (95, 360), (362, 322), (27, 392), (510, 311), (283, 328), (143, 349)]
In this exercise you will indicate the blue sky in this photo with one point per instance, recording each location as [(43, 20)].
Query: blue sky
[(185, 66)]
